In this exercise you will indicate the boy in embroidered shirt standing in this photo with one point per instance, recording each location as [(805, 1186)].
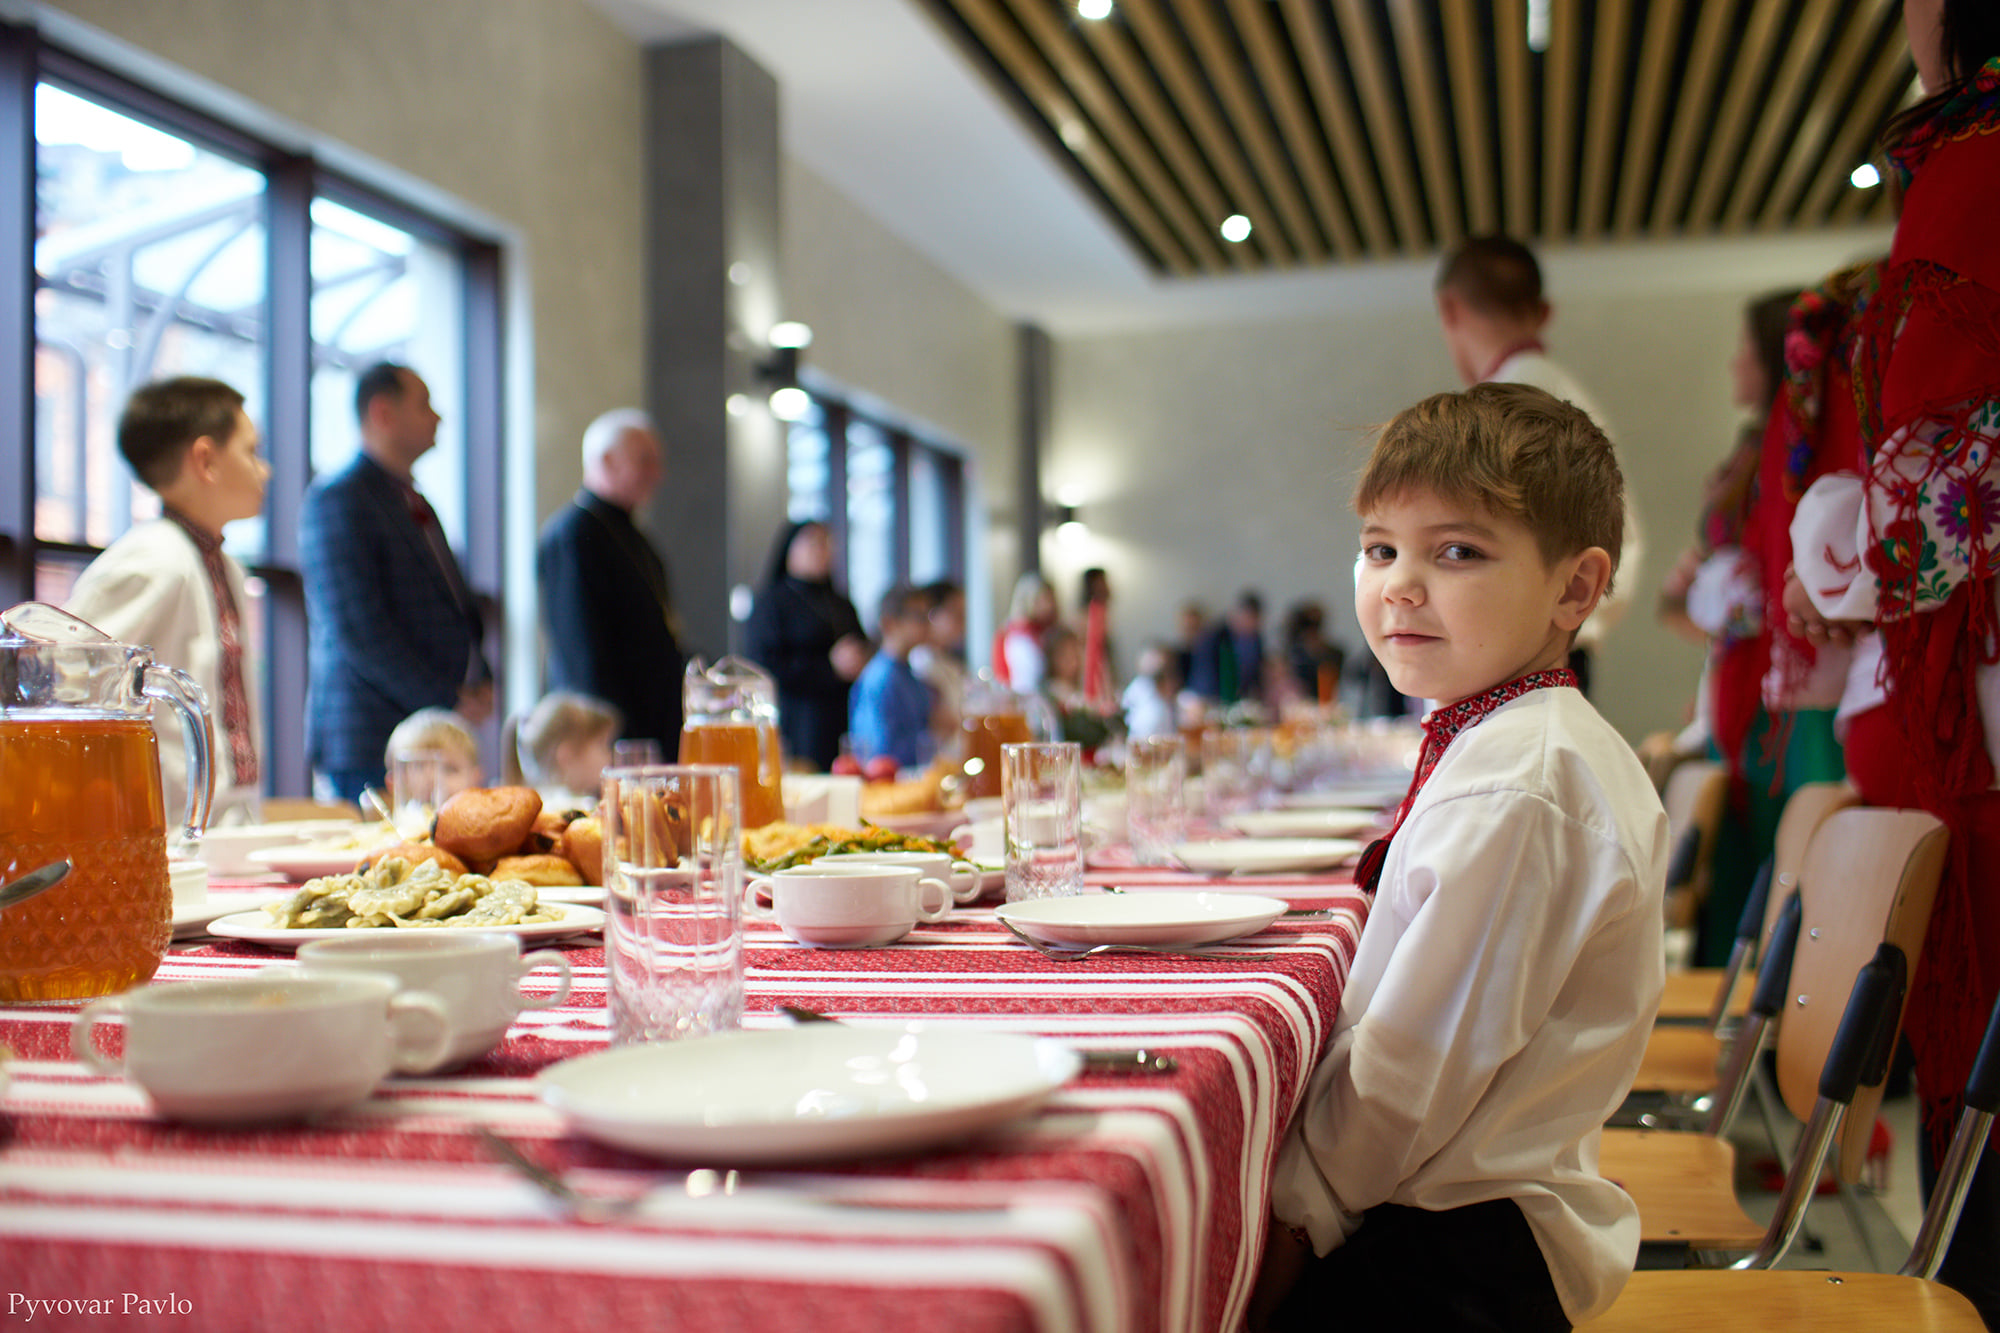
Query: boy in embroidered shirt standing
[(1441, 1170)]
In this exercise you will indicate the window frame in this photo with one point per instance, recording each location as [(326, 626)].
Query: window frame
[(293, 180)]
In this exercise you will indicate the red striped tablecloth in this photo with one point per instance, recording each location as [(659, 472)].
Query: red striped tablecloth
[(1126, 1202)]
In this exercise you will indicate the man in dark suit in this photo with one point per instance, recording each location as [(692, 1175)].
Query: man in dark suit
[(393, 625), (605, 600)]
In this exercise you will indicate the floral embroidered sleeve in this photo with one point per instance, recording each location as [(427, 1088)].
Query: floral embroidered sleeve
[(1934, 508)]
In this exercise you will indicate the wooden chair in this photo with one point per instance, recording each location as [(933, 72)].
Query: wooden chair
[(1835, 1302), (1713, 994), (282, 809), (1658, 753), (1868, 877), (1868, 881), (1694, 796)]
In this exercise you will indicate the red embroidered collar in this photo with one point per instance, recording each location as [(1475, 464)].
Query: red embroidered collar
[(1441, 728)]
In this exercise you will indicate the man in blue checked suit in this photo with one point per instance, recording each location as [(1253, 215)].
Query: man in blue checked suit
[(393, 625)]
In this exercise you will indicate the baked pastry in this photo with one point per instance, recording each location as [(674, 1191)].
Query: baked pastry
[(544, 871), (583, 847), (417, 853), (486, 823), (545, 835)]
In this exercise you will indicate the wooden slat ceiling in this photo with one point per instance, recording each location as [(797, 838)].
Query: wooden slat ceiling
[(1352, 130)]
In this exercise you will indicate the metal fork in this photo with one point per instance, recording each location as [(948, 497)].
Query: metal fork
[(586, 1207)]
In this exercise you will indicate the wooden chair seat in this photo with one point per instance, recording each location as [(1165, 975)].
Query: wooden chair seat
[(1685, 1186), (1679, 1061), (1689, 996), (1714, 1300), (281, 809)]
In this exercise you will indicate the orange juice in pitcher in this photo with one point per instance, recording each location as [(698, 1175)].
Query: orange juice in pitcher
[(731, 717), (80, 781)]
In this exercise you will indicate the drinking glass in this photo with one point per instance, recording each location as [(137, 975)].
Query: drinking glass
[(1041, 803), (673, 880), (1155, 797), (1235, 770), (636, 754), (418, 785)]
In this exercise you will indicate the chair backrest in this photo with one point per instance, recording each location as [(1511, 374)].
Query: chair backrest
[(1805, 810), (281, 809), (1869, 877), (1694, 797)]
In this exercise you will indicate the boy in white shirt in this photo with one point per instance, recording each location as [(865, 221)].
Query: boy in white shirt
[(1443, 1162), (168, 583)]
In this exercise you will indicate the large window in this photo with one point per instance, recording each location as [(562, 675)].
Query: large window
[(149, 261), (163, 242), (900, 518)]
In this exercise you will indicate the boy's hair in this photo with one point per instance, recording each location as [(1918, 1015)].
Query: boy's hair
[(1495, 275), (384, 377), (163, 418), (1516, 451), (559, 716), (433, 729), (902, 602)]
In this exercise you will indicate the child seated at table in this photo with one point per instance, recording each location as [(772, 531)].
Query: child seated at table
[(561, 747), (431, 756), (1443, 1163)]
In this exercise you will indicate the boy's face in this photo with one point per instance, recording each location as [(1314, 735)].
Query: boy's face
[(239, 475), (1455, 599)]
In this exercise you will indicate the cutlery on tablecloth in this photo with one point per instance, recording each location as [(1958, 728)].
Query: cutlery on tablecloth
[(1127, 1061), (587, 1207)]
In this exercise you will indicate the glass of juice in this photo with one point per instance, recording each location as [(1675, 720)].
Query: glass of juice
[(730, 713)]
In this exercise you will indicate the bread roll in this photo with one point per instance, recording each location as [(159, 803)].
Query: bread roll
[(544, 872), (486, 823), (583, 847), (416, 853)]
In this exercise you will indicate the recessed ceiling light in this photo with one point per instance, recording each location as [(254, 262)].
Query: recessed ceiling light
[(1864, 177), (1236, 227), (1093, 9)]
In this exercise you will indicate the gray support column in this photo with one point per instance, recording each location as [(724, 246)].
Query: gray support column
[(1033, 396), (713, 291)]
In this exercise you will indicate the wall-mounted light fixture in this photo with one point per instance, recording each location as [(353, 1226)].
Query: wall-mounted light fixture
[(1070, 527), (780, 369)]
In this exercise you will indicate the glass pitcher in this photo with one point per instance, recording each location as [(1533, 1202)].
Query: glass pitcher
[(80, 781), (992, 716), (730, 716)]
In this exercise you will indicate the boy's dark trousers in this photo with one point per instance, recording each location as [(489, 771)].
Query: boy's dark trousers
[(1471, 1268)]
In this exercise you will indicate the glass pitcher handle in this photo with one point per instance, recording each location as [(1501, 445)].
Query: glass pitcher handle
[(1040, 715), (174, 686)]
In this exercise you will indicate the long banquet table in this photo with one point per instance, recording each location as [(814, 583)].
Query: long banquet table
[(1127, 1202)]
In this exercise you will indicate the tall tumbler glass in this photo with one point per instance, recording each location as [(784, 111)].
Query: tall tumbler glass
[(1041, 806), (673, 881), (1228, 780), (1155, 797)]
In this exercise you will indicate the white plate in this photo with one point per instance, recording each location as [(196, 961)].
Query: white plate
[(194, 918), (1169, 920), (808, 1093), (1303, 823), (1255, 856), (1359, 795), (570, 893), (258, 928), (308, 861), (923, 823)]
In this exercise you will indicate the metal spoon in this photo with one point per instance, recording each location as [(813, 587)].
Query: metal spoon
[(34, 882)]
